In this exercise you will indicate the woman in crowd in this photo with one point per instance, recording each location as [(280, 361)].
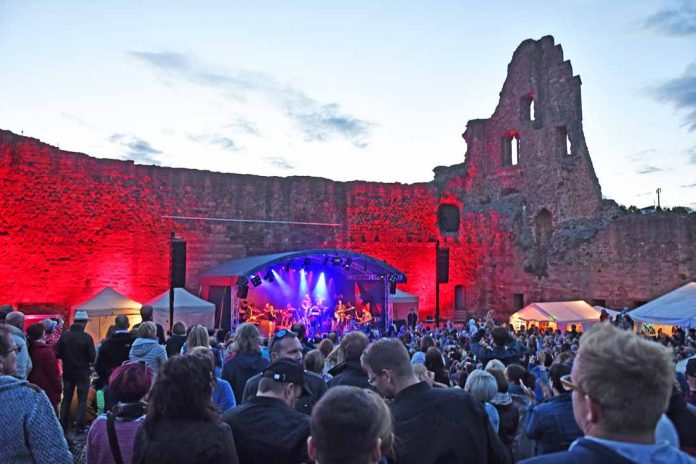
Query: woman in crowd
[(146, 348), (509, 415), (182, 423), (128, 385), (483, 387), (247, 360), (29, 429), (223, 397), (176, 340), (436, 364), (44, 374)]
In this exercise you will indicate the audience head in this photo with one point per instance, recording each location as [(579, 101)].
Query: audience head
[(15, 319), (8, 352), (146, 313), (620, 382), (179, 328), (481, 385), (350, 425), (325, 346), (198, 337), (121, 322), (433, 360), (4, 311), (353, 344), (314, 361), (205, 353), (299, 329), (495, 364), (500, 336), (285, 345), (426, 342), (514, 373), (333, 336), (183, 390), (247, 338), (500, 379), (130, 382), (388, 366), (35, 332), (284, 380), (555, 373), (147, 329)]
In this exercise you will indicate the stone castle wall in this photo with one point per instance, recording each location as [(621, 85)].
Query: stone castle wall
[(71, 224)]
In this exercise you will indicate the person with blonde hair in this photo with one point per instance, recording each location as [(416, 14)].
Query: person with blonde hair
[(247, 360), (146, 348), (621, 385)]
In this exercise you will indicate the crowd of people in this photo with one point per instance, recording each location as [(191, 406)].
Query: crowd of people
[(472, 393)]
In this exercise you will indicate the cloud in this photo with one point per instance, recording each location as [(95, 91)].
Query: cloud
[(688, 186), (216, 139), (681, 92), (279, 162), (692, 155), (679, 20), (73, 118), (318, 121), (642, 155), (649, 170), (243, 126), (139, 150)]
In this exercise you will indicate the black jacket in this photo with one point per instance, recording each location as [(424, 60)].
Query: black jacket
[(349, 373), (184, 441), (508, 354), (241, 368), (443, 425), (112, 353), (266, 430), (174, 344), (76, 349), (315, 388)]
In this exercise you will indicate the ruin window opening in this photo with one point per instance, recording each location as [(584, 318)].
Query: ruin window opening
[(543, 228), (510, 148), (448, 218), (527, 109), (598, 302), (563, 140), (517, 301), (459, 298)]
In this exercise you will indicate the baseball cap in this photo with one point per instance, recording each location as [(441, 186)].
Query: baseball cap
[(285, 370), (80, 316), (49, 324)]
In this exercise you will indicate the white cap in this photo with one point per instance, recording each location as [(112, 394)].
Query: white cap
[(80, 316)]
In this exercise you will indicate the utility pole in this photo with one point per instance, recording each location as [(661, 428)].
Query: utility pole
[(658, 197)]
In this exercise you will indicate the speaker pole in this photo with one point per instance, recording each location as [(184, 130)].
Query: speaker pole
[(171, 281), (437, 283)]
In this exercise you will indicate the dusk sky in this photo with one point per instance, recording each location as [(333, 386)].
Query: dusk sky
[(378, 91)]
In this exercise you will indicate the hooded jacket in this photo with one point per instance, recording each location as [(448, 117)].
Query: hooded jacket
[(112, 353), (45, 374), (76, 349), (23, 367), (33, 434), (148, 350), (241, 368)]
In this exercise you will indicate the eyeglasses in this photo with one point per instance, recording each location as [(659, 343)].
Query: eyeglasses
[(17, 349), (568, 384), (372, 380)]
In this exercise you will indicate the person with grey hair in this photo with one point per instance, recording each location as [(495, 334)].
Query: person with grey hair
[(483, 387), (76, 348), (15, 324), (145, 348), (621, 385)]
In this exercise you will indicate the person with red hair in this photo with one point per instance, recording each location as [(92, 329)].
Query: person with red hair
[(112, 435)]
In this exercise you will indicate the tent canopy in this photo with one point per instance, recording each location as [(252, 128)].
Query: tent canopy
[(352, 263), (106, 302), (188, 309), (558, 312), (677, 307), (402, 297)]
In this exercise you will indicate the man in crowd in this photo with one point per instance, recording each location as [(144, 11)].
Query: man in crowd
[(112, 353), (15, 324), (432, 425), (146, 314), (286, 345), (76, 349), (350, 372), (267, 428), (621, 386), (349, 424), (4, 311), (505, 348), (412, 319)]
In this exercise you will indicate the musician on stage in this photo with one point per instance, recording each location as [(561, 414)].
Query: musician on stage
[(365, 316)]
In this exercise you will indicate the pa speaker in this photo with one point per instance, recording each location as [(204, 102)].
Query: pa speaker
[(392, 288), (242, 291), (178, 263)]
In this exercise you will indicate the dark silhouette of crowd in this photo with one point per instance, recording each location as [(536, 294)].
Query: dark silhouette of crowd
[(472, 393)]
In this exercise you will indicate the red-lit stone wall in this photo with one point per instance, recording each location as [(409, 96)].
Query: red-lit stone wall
[(71, 224)]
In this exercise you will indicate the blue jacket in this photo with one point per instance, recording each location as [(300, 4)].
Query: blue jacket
[(552, 424), (589, 451), (29, 431), (223, 396), (507, 354)]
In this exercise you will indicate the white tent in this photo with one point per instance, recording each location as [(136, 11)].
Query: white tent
[(188, 309), (677, 307), (556, 314), (401, 303), (103, 309)]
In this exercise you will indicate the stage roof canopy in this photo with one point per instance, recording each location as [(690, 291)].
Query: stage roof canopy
[(677, 307), (350, 263)]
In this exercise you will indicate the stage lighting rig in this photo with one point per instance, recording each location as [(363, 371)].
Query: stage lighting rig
[(255, 279)]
